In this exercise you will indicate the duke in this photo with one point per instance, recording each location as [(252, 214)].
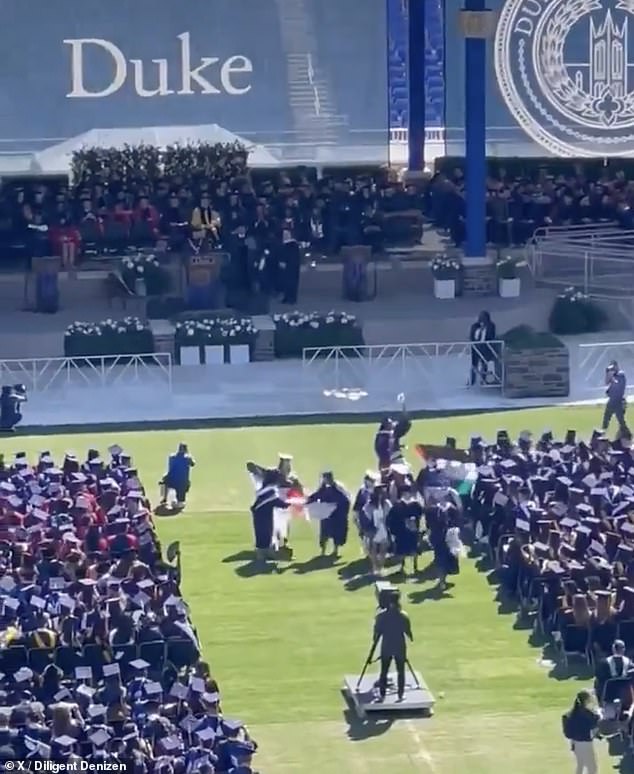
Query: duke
[(210, 76)]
